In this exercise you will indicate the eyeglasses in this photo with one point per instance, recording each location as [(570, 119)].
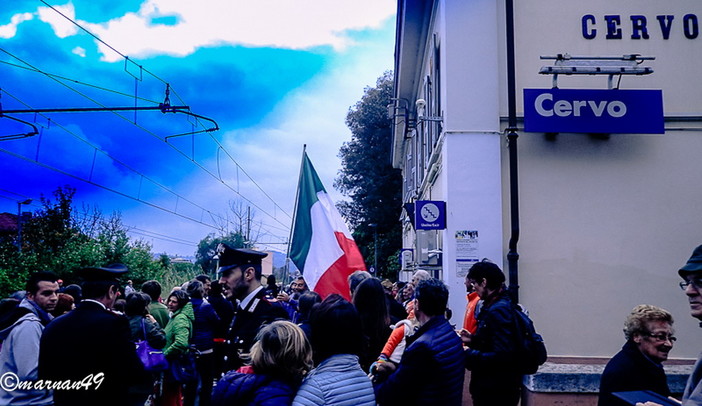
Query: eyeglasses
[(662, 337), (696, 283)]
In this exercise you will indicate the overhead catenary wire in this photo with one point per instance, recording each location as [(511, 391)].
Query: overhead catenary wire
[(128, 60), (76, 81), (142, 71), (135, 198), (47, 166), (219, 178), (153, 234), (128, 228), (100, 40)]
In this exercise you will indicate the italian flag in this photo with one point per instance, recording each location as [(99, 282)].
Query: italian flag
[(322, 247)]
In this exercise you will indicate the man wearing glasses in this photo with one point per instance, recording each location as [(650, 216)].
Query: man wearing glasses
[(692, 285), (691, 273), (638, 366)]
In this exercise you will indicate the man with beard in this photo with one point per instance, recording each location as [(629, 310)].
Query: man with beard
[(240, 278)]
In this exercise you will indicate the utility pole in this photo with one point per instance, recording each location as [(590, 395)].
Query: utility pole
[(248, 224), (374, 226), (19, 222)]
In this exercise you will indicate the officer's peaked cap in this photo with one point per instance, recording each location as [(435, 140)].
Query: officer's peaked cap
[(238, 256)]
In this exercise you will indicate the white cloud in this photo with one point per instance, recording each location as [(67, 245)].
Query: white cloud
[(261, 23), (9, 30), (79, 51), (314, 114), (62, 27), (271, 152)]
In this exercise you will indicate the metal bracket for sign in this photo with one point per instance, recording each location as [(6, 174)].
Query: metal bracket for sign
[(566, 64)]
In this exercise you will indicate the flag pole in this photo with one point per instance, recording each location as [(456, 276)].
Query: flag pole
[(297, 201)]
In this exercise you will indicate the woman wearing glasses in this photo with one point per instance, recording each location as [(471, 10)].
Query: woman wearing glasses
[(649, 339)]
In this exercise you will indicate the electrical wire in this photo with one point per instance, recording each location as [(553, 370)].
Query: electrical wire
[(129, 229), (126, 58), (142, 69), (169, 144), (78, 82), (47, 166)]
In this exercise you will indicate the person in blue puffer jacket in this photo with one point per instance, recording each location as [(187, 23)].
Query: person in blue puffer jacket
[(280, 357), (336, 343), (430, 371)]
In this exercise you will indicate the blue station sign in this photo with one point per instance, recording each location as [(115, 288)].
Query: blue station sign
[(430, 215), (593, 111)]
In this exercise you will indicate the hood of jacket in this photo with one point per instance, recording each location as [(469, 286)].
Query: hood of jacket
[(25, 312), (252, 389), (186, 311)]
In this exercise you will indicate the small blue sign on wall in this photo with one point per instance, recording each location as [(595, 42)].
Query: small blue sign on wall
[(593, 111), (430, 215)]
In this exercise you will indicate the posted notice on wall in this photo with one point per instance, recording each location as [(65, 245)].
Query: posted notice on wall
[(466, 251)]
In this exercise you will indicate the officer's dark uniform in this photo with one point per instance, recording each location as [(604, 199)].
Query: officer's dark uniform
[(91, 347), (248, 320)]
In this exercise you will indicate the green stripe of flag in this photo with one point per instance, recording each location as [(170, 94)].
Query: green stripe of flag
[(308, 187)]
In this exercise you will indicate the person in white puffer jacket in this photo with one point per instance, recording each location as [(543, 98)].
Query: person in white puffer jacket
[(336, 342)]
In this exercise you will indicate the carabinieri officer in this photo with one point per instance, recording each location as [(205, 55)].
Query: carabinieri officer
[(240, 277)]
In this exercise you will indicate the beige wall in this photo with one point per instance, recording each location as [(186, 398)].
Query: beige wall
[(547, 28), (605, 224)]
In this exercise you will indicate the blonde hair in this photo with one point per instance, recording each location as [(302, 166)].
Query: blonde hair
[(641, 315), (282, 350)]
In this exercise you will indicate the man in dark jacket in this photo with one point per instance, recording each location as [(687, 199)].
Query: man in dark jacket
[(240, 277), (649, 338), (205, 326), (89, 350), (495, 378), (431, 369)]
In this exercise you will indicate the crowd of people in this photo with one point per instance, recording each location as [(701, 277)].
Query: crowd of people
[(238, 341)]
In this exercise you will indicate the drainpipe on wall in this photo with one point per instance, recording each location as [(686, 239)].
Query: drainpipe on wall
[(512, 255)]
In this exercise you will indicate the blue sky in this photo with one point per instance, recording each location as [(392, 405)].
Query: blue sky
[(273, 74)]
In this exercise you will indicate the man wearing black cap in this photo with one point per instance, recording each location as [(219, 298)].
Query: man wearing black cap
[(692, 285), (240, 278), (89, 349)]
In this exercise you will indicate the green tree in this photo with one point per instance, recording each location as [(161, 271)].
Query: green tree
[(52, 227), (207, 248), (57, 239), (142, 267), (368, 178), (177, 274)]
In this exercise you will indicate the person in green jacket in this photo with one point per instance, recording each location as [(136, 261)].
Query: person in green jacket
[(156, 308), (178, 335)]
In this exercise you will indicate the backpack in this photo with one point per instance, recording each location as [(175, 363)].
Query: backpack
[(531, 350)]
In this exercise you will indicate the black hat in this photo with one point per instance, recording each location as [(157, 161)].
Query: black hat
[(694, 264), (238, 256), (107, 273)]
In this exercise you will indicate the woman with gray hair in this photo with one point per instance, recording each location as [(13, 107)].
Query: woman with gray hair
[(649, 338)]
